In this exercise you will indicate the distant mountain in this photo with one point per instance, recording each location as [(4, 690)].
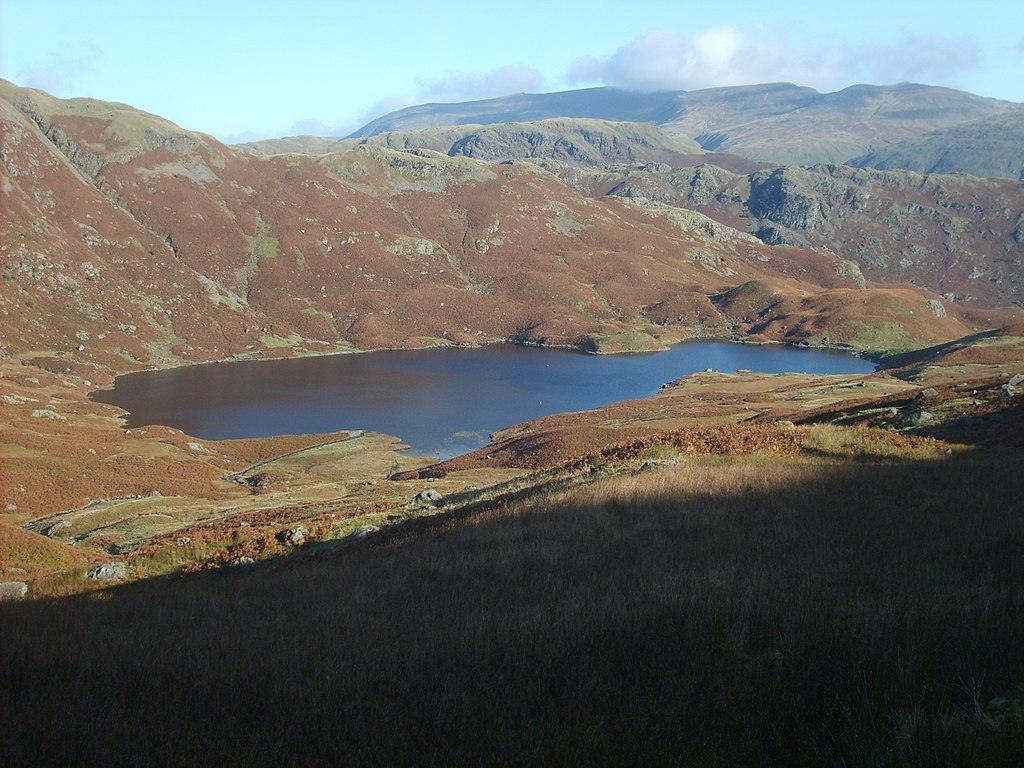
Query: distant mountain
[(600, 103), (993, 147), (778, 122), (578, 141)]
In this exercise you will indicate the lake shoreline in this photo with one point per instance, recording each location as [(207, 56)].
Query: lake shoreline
[(435, 399)]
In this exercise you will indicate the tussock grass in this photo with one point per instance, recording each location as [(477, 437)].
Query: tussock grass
[(731, 612)]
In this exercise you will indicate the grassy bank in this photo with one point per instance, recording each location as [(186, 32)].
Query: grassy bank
[(734, 611)]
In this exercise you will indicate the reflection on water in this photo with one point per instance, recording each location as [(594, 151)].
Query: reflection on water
[(439, 401)]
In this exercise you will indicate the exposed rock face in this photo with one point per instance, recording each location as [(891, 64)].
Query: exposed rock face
[(780, 197), (56, 528), (957, 235), (570, 140)]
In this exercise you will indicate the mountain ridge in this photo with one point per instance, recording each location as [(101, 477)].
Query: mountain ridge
[(777, 122)]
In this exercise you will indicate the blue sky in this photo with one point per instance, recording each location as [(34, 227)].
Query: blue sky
[(244, 70)]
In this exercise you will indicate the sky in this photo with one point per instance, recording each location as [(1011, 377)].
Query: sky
[(248, 70)]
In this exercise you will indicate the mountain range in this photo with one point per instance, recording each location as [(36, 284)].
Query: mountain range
[(777, 123), (172, 247)]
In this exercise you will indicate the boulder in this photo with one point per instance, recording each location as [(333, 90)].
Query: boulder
[(430, 496), (1007, 391), (241, 561), (919, 418), (294, 536), (108, 572), (12, 590), (928, 394), (181, 541), (361, 533), (1016, 381)]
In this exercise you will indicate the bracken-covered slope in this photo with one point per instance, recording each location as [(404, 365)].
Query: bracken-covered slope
[(130, 242), (958, 235), (777, 122)]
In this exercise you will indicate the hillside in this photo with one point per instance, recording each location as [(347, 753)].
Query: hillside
[(960, 236), (993, 147), (167, 247), (777, 123), (686, 610)]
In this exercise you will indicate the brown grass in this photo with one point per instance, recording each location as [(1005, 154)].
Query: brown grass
[(759, 610)]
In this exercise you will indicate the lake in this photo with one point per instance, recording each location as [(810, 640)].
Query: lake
[(441, 402)]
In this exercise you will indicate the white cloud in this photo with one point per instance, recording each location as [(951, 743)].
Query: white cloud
[(722, 56), (60, 74), (501, 81)]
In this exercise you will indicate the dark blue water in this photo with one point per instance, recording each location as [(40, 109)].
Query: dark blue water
[(439, 401)]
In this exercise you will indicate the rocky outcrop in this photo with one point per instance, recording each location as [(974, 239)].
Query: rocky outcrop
[(10, 591), (109, 572), (960, 236)]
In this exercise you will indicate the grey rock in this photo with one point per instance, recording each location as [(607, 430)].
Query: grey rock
[(181, 541), (239, 562), (919, 418), (361, 533), (294, 536), (56, 528), (10, 507), (936, 307), (12, 590), (1007, 391), (47, 413), (430, 496), (108, 572), (928, 394), (1016, 381)]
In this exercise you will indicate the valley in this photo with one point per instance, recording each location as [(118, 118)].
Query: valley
[(519, 414)]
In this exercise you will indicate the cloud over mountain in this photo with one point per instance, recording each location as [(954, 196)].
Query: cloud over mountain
[(723, 56)]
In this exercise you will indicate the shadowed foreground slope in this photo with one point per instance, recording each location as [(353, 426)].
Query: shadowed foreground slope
[(722, 611)]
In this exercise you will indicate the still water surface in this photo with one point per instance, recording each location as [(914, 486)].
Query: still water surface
[(440, 401)]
